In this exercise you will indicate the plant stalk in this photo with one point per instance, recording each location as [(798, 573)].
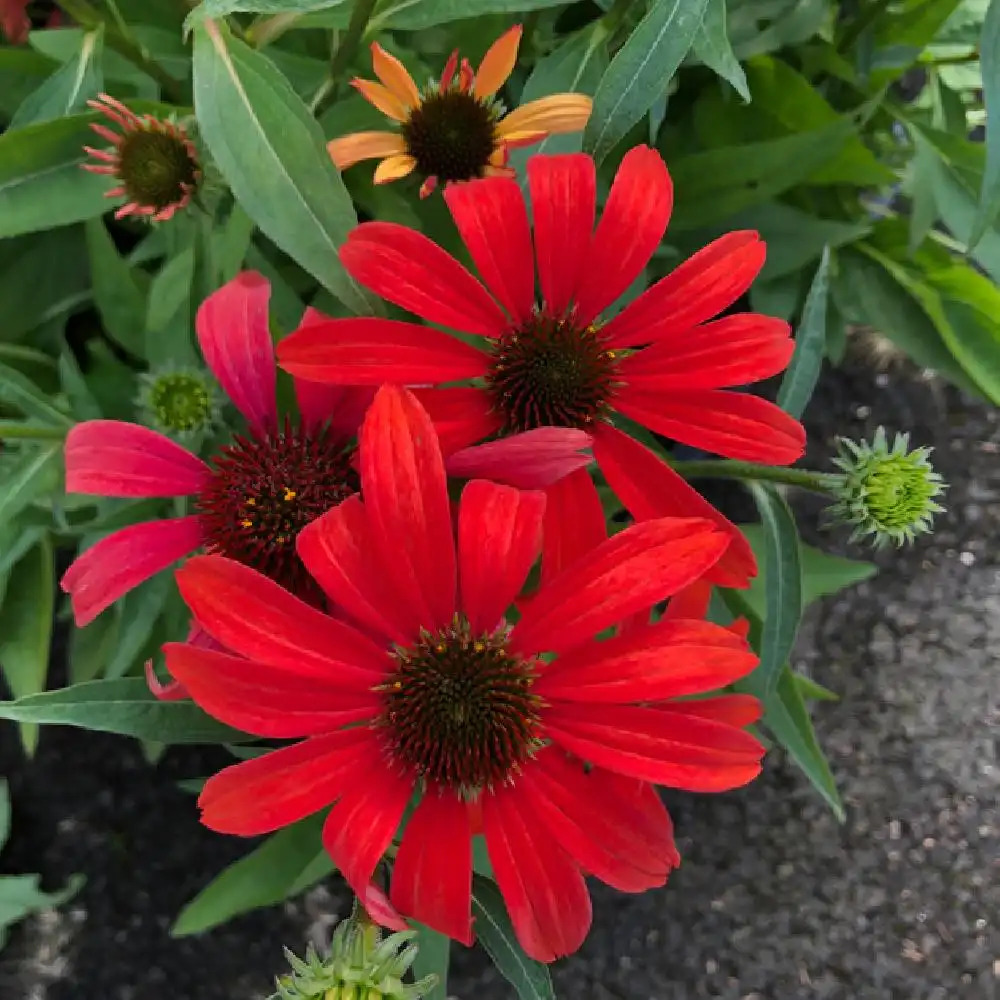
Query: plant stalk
[(344, 53), (817, 482), (17, 430)]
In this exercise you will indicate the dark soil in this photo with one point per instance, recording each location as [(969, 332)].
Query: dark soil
[(774, 901)]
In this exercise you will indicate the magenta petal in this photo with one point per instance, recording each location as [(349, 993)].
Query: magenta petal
[(528, 461), (123, 560), (112, 458), (236, 341)]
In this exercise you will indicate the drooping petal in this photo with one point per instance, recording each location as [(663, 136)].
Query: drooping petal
[(462, 415), (362, 824), (337, 549), (394, 168), (574, 523), (395, 76), (406, 500), (499, 538), (497, 64), (630, 571), (123, 560), (563, 199), (545, 893), (609, 834), (112, 458), (668, 660), (632, 225), (382, 98), (732, 424), (252, 615), (649, 488), (531, 460), (263, 700), (408, 269), (286, 785), (235, 340), (732, 709), (491, 217), (432, 874), (550, 115), (698, 755), (700, 288), (378, 907), (372, 351), (734, 350), (358, 146)]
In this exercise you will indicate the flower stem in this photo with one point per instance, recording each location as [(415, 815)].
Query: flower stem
[(88, 17), (344, 53), (18, 430), (817, 482)]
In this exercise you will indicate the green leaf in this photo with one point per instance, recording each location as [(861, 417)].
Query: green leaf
[(989, 58), (432, 959), (140, 610), (21, 72), (232, 241), (26, 628), (496, 935), (923, 208), (21, 896), (271, 151), (810, 344), (411, 15), (783, 605), (119, 298), (4, 812), (711, 46), (641, 71), (219, 8), (83, 405), (22, 394), (69, 88), (167, 328), (263, 877), (92, 646), (34, 472), (808, 688), (124, 706)]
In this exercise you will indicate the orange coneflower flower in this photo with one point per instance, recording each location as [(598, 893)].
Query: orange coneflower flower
[(455, 130)]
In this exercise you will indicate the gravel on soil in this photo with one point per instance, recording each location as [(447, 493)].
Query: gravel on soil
[(774, 901)]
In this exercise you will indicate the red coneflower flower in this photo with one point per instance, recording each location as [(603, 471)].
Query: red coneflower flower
[(154, 161), (257, 493), (455, 129), (485, 724), (662, 361)]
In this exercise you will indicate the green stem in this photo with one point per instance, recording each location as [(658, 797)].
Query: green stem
[(17, 430), (89, 17), (345, 52), (865, 19), (817, 482)]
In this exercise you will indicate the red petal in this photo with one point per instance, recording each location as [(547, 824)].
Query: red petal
[(263, 700), (492, 220), (633, 223), (649, 488), (691, 602), (282, 787), (373, 351), (499, 538), (252, 615), (461, 415), (733, 424), (408, 269), (574, 523), (633, 570), (732, 709), (666, 660), (432, 875), (112, 458), (531, 460), (545, 894), (123, 560), (563, 198), (735, 350), (406, 500), (700, 288), (612, 835), (698, 755), (362, 824), (378, 907), (337, 550), (235, 339)]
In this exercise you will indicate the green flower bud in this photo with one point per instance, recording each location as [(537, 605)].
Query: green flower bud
[(183, 403), (885, 492), (360, 966)]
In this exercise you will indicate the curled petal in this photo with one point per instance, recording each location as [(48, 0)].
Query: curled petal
[(531, 460)]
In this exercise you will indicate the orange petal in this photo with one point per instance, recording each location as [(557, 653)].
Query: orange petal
[(492, 171), (395, 77), (394, 167), (547, 115), (350, 149), (498, 63), (383, 99)]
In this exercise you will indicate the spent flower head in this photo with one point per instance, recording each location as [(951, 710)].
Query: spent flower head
[(360, 966), (885, 491)]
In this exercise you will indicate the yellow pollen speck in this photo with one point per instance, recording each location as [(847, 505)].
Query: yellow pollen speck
[(479, 646), (247, 523), (441, 647), (251, 501), (610, 354), (290, 494)]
